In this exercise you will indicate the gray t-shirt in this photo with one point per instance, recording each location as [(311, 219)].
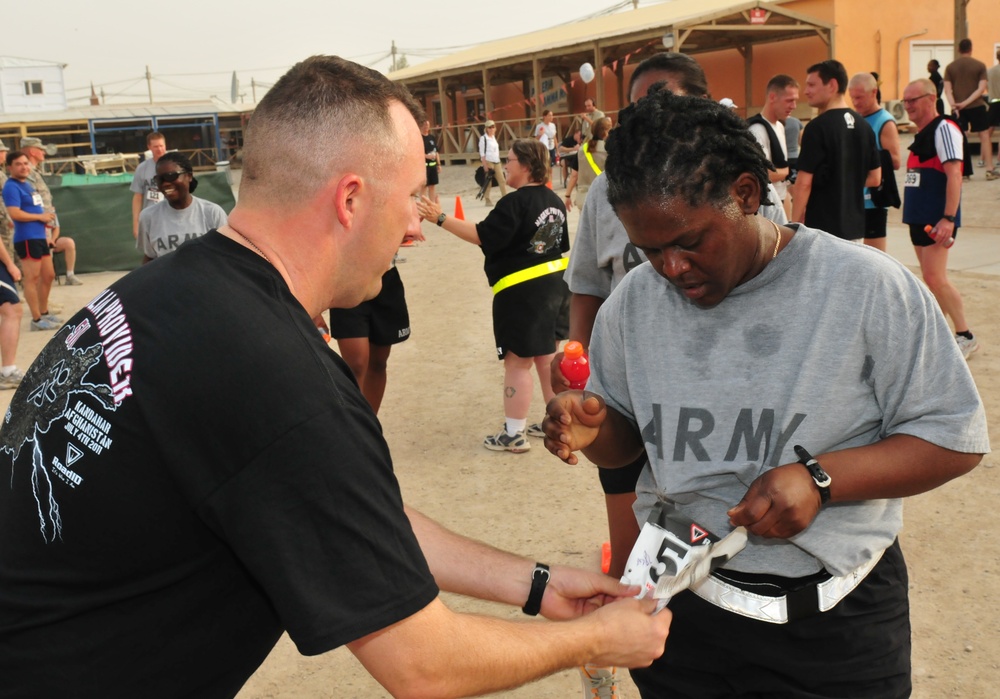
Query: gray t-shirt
[(833, 345), (142, 183), (163, 228), (602, 253)]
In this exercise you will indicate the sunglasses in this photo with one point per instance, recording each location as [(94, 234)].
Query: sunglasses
[(168, 176)]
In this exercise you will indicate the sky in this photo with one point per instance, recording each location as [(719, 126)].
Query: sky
[(192, 48)]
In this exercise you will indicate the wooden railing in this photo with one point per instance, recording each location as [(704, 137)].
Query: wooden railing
[(459, 143)]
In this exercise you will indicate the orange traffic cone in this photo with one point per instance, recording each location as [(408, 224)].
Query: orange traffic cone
[(459, 213), (606, 557)]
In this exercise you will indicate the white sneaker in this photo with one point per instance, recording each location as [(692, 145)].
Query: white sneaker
[(966, 345), (11, 380), (71, 280), (600, 682)]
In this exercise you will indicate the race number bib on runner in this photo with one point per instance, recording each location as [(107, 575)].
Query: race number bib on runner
[(154, 195), (36, 199), (673, 552), (912, 179)]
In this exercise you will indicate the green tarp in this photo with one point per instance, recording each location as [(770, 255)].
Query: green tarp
[(99, 218)]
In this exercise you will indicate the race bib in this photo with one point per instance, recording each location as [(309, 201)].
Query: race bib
[(674, 552), (912, 179), (36, 199), (153, 195)]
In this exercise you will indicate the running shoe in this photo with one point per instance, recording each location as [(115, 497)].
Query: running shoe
[(71, 280), (535, 430), (991, 175), (600, 682), (966, 345), (502, 441), (12, 380), (44, 323)]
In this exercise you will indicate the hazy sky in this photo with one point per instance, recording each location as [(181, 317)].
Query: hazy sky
[(192, 48)]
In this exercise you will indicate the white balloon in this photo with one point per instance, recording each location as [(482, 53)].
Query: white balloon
[(586, 72)]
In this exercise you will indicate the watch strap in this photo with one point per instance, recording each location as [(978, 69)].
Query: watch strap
[(820, 477), (539, 580), (441, 218)]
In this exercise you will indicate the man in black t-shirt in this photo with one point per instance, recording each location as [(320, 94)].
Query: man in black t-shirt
[(432, 160), (178, 497), (837, 160)]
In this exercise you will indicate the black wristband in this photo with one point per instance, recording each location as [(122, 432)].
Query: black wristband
[(539, 579)]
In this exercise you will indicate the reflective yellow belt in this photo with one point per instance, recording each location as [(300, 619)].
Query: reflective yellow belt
[(531, 273), (590, 159)]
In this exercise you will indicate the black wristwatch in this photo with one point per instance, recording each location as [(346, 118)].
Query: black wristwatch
[(539, 579), (946, 217), (820, 477), (441, 218)]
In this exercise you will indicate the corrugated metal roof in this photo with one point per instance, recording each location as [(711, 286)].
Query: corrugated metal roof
[(15, 62), (600, 29), (127, 111)]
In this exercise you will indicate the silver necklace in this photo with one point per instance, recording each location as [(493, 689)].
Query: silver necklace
[(251, 244)]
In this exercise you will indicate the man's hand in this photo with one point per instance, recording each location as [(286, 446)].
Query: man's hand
[(13, 271), (558, 382), (573, 592), (572, 421), (633, 636), (780, 503)]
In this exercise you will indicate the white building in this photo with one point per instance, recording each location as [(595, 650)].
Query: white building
[(29, 85)]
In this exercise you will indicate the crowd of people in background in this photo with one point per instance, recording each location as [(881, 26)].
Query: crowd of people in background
[(765, 214)]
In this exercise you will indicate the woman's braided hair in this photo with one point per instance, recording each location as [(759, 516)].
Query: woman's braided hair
[(668, 145)]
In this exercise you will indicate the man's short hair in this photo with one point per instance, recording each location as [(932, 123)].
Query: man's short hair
[(928, 87), (965, 46), (865, 81), (690, 75), (154, 136), (781, 82), (325, 114), (591, 100), (934, 65), (668, 146), (831, 70), (14, 155)]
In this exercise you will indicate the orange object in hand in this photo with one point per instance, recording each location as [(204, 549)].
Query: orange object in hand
[(928, 228)]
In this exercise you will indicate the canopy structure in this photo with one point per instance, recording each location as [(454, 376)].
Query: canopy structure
[(688, 26)]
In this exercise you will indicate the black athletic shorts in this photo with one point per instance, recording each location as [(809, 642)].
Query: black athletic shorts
[(432, 175), (526, 316), (994, 116), (384, 320), (8, 290), (618, 481), (35, 249), (860, 648), (920, 239), (974, 119), (875, 221)]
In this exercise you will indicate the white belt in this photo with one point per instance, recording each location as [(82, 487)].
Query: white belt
[(818, 597)]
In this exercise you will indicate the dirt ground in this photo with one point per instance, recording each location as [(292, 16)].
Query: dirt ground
[(444, 396)]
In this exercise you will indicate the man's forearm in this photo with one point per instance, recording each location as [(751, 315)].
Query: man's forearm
[(469, 567), (800, 196), (582, 313), (136, 210), (618, 443)]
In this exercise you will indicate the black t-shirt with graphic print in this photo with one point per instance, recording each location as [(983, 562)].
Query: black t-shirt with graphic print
[(192, 471)]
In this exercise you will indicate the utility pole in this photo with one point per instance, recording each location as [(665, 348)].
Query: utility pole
[(253, 87), (393, 52), (149, 84), (961, 25)]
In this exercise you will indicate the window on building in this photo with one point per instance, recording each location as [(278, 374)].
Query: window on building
[(32, 87)]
